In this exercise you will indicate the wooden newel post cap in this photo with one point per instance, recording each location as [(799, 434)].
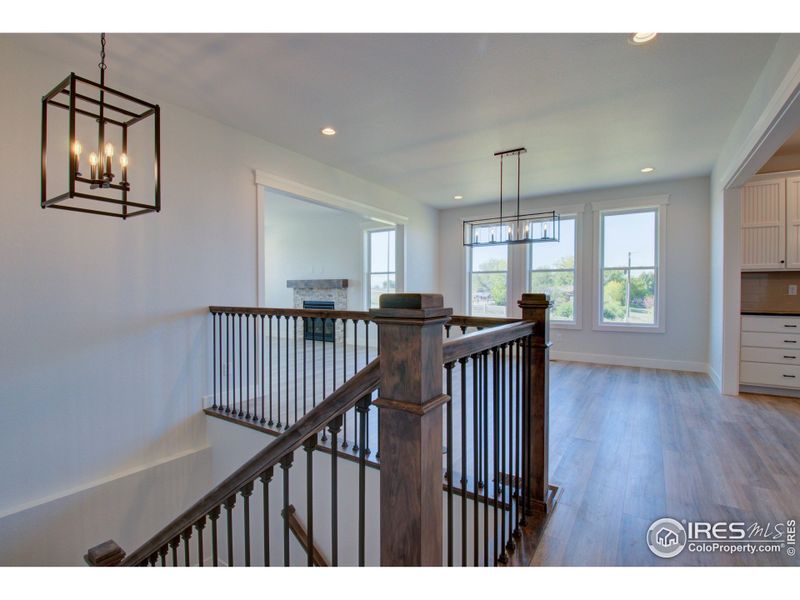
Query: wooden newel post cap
[(535, 301), (107, 554), (414, 306)]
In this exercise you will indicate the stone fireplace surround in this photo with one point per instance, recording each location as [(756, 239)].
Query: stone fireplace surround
[(330, 290)]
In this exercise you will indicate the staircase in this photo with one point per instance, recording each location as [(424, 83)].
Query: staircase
[(441, 422)]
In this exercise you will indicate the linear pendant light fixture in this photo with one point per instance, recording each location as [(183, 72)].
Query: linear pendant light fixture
[(531, 228), (102, 115)]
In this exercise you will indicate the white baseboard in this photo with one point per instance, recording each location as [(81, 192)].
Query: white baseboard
[(630, 361)]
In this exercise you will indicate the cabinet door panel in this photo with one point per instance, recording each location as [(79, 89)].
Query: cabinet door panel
[(793, 223), (764, 225)]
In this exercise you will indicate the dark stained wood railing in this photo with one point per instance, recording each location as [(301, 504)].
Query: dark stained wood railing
[(483, 396)]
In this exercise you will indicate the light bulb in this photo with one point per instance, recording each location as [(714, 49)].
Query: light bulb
[(123, 160), (77, 148), (109, 150), (93, 159)]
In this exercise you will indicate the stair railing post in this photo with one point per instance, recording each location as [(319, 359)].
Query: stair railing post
[(411, 514), (536, 403)]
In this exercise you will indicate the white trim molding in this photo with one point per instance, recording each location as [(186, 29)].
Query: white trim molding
[(632, 361), (659, 202)]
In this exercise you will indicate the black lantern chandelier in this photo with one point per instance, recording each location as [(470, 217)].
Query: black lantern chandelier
[(530, 228), (105, 116)]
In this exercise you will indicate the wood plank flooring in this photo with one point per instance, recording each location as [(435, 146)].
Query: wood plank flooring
[(628, 446)]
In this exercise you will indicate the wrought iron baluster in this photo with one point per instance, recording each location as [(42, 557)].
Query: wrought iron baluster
[(475, 464), (271, 422), (485, 446), (286, 464), (449, 448), (495, 443), (294, 334), (229, 504), (246, 492), (263, 380), (214, 360), (214, 516), (162, 553), (278, 424), (464, 482), (228, 363), (334, 427), (241, 387), (305, 360), (309, 446), (362, 408), (502, 556), (246, 390), (173, 544), (266, 477), (187, 533), (255, 368), (314, 362), (200, 526), (286, 424)]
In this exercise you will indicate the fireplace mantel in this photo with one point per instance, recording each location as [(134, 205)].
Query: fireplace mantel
[(317, 284)]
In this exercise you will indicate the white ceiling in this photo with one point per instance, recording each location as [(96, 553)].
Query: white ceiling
[(423, 114)]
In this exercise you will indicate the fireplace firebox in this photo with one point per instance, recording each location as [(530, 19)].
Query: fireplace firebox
[(316, 329)]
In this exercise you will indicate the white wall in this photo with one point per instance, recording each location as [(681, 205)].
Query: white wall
[(103, 327), (685, 342), (747, 148), (307, 241)]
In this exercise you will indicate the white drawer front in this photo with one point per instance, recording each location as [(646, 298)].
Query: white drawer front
[(774, 324), (770, 340), (787, 376), (771, 355)]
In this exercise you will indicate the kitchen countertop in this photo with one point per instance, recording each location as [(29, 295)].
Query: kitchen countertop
[(772, 313)]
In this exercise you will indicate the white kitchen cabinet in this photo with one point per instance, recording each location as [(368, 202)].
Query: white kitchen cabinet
[(763, 223), (793, 222), (770, 355)]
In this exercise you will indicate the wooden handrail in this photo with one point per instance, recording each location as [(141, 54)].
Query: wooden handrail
[(478, 341), (483, 322), (337, 403), (300, 534)]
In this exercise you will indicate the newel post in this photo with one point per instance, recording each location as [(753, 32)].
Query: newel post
[(411, 521), (536, 403)]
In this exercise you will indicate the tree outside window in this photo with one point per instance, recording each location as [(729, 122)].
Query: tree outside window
[(489, 280)]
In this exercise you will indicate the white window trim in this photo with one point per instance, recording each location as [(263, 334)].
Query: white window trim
[(369, 229), (660, 203), (572, 212)]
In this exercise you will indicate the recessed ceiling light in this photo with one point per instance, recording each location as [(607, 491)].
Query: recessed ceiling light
[(647, 169), (458, 197), (642, 38), (327, 131)]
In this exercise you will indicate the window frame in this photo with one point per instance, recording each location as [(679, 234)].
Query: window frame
[(368, 272), (576, 213), (632, 205), (469, 273)]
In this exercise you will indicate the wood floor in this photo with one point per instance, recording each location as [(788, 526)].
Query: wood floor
[(632, 445)]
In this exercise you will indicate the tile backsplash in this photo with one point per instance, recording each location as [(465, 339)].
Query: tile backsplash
[(769, 291)]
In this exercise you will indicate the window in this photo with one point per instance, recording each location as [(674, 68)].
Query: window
[(630, 278), (553, 271), (381, 276), (488, 279)]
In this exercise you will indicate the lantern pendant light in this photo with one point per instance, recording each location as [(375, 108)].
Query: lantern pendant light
[(531, 228), (102, 185)]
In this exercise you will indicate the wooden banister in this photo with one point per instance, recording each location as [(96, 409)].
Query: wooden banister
[(478, 341), (336, 404), (482, 322), (301, 536), (293, 312)]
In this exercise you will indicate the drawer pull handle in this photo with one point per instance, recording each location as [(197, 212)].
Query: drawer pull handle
[(792, 357), (789, 341), (790, 376), (789, 325)]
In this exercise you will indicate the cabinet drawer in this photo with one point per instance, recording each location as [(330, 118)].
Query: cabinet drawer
[(773, 324), (787, 376), (771, 355), (770, 340)]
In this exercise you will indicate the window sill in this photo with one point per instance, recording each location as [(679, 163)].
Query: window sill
[(630, 328), (564, 324)]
